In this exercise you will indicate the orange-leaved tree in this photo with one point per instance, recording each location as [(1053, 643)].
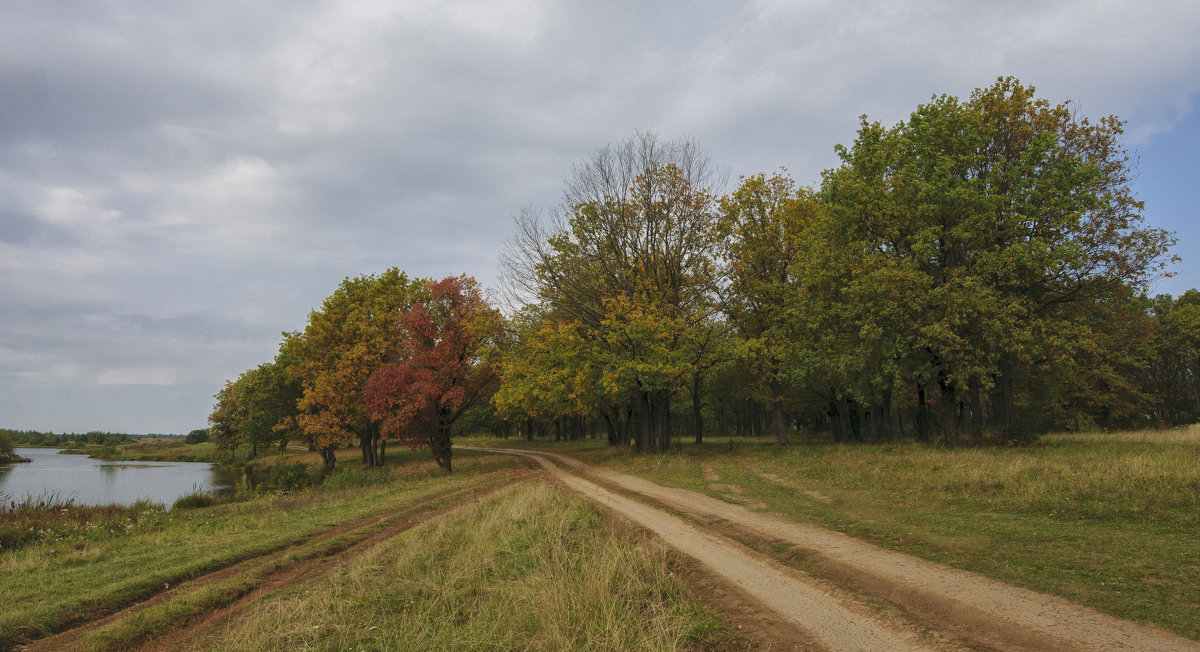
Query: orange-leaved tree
[(350, 337)]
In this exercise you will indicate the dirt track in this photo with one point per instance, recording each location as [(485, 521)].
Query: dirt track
[(947, 608)]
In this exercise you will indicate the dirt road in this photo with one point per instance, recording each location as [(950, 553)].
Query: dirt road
[(946, 608)]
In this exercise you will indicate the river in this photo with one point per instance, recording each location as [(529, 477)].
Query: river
[(100, 482)]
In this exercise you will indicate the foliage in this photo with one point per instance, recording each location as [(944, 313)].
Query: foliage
[(350, 337), (198, 436), (1171, 374), (627, 272), (977, 240), (194, 500), (449, 340), (289, 477)]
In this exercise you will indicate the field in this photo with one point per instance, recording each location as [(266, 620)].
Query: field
[(1111, 521)]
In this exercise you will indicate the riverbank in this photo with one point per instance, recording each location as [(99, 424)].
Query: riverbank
[(12, 459)]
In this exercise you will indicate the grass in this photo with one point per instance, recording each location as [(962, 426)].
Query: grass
[(526, 569), (1111, 521), (94, 568)]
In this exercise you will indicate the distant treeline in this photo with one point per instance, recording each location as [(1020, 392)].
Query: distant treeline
[(36, 438)]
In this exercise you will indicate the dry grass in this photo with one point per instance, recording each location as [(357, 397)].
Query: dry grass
[(527, 569)]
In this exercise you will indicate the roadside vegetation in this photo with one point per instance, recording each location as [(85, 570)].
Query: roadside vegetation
[(527, 569), (1110, 521)]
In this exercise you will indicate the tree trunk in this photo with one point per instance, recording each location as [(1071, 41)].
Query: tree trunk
[(662, 420), (329, 456), (780, 423), (975, 406), (1002, 401), (949, 413), (440, 443), (613, 438), (645, 423), (922, 420), (697, 412)]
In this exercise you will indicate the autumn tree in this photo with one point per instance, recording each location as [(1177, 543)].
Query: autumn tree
[(449, 340), (352, 335), (631, 250)]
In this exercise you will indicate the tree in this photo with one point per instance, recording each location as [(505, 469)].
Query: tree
[(1172, 365), (763, 220), (633, 247), (1006, 221), (197, 436), (450, 341), (353, 334)]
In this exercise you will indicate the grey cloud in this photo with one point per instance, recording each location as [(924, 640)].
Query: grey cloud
[(179, 182)]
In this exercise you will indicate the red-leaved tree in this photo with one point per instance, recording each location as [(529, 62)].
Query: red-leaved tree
[(449, 339)]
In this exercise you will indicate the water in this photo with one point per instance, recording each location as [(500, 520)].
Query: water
[(98, 482)]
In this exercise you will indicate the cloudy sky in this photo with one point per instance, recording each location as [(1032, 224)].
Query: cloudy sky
[(182, 181)]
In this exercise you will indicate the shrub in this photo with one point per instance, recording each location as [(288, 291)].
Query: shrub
[(289, 476), (194, 500), (198, 436)]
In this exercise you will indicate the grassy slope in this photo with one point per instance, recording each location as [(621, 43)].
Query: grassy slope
[(1111, 522)]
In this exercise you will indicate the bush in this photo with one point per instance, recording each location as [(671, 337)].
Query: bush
[(194, 500), (6, 445), (289, 476), (198, 436)]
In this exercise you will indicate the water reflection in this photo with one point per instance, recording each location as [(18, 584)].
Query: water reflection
[(97, 482)]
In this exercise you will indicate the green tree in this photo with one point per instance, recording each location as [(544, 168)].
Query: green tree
[(197, 436), (1172, 372), (763, 220), (1005, 221)]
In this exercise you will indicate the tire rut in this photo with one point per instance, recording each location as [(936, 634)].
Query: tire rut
[(952, 604), (421, 509)]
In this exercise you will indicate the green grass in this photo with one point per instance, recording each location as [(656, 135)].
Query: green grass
[(527, 569), (67, 579), (1110, 521)]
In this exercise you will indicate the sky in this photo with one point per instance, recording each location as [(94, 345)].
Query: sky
[(180, 182)]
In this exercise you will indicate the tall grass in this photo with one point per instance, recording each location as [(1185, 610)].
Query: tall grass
[(50, 518), (527, 569), (1107, 520)]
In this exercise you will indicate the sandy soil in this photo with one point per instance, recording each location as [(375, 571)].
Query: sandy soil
[(940, 607)]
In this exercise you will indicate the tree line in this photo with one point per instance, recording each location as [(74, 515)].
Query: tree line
[(977, 272)]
